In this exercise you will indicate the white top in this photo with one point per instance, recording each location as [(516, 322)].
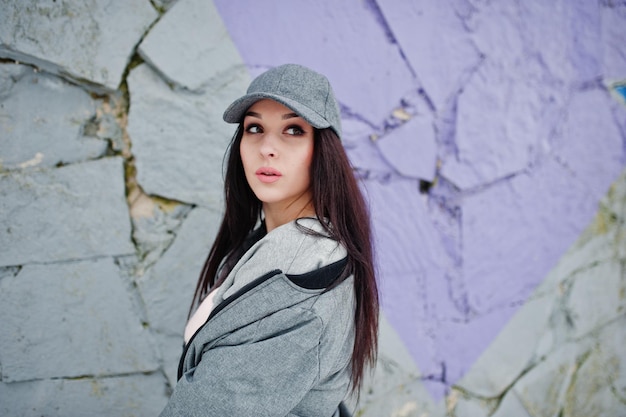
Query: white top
[(200, 316)]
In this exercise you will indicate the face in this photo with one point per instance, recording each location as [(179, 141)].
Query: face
[(276, 150)]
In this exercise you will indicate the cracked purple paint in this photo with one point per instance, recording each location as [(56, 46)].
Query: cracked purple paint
[(508, 117)]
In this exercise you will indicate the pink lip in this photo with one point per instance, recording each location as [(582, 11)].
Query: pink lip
[(268, 174)]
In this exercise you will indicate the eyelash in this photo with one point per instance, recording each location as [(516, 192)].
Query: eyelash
[(297, 130)]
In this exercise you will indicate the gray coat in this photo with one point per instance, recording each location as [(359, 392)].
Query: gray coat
[(276, 343)]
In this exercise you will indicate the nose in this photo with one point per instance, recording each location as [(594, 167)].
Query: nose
[(268, 146)]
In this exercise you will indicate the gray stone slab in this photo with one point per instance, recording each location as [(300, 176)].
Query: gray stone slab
[(70, 320), (73, 212), (511, 352), (604, 240), (167, 288), (600, 379), (179, 138), (90, 40), (170, 348), (126, 396), (407, 400), (597, 296), (465, 406), (42, 120), (542, 389), (154, 233), (395, 374), (190, 32), (511, 406)]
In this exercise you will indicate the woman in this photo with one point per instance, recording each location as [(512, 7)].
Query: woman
[(286, 308)]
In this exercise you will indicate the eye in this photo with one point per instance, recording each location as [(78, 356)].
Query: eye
[(294, 130), (253, 128)]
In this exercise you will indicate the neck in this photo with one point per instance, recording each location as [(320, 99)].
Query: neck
[(276, 216)]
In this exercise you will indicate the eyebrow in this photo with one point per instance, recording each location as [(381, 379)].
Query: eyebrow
[(284, 117)]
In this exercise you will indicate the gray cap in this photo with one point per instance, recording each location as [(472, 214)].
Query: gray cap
[(304, 91)]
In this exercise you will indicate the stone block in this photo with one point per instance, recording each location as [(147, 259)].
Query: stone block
[(432, 37), (408, 244), (69, 320), (77, 211), (501, 123), (170, 348), (167, 288), (514, 232), (179, 138), (190, 32), (124, 396), (511, 352), (394, 365), (613, 20), (467, 406), (350, 43), (411, 148), (88, 40), (511, 406), (407, 400), (596, 163), (599, 386), (597, 296), (542, 389), (43, 120), (566, 37)]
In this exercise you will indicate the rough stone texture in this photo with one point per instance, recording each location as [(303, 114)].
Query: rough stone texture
[(43, 120), (542, 390), (515, 182), (191, 31), (179, 138), (91, 40), (599, 386), (432, 37), (134, 396), (594, 166), (167, 288), (352, 35), (512, 350), (74, 212), (502, 250), (575, 365), (484, 136), (571, 54), (596, 297), (396, 386), (613, 38), (52, 312), (500, 137), (411, 149)]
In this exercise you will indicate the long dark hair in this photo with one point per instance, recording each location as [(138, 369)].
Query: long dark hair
[(337, 198)]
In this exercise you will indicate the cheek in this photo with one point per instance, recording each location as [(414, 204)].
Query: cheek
[(244, 151), (306, 161)]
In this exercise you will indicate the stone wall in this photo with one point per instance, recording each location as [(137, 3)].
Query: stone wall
[(485, 134)]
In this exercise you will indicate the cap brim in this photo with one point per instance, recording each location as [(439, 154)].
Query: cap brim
[(236, 111)]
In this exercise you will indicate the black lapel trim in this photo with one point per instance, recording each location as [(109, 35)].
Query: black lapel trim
[(220, 307), (319, 278)]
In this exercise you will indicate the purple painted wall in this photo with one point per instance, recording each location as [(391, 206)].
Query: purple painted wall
[(484, 133)]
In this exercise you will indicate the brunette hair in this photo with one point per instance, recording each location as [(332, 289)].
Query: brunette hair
[(336, 198)]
